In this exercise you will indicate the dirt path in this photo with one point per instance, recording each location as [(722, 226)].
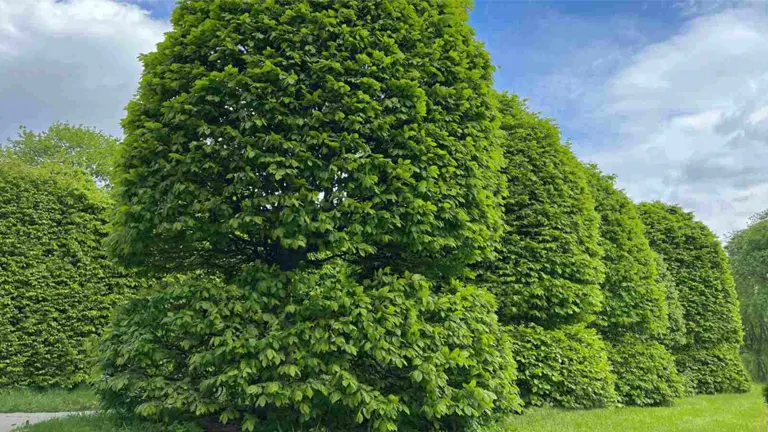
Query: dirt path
[(9, 421)]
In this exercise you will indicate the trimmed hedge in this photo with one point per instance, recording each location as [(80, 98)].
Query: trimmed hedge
[(645, 372), (674, 337), (277, 131), (390, 352), (58, 287), (567, 367), (709, 360), (547, 270)]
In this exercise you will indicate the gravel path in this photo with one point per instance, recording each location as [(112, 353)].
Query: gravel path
[(9, 421)]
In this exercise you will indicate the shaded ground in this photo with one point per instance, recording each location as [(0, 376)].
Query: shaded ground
[(10, 420)]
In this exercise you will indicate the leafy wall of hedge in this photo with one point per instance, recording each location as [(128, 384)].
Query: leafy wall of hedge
[(565, 367), (322, 348), (57, 285), (645, 372), (709, 360), (547, 270)]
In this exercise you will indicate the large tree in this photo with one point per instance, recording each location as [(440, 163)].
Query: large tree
[(547, 271), (709, 359), (309, 162), (634, 318), (748, 252), (65, 144)]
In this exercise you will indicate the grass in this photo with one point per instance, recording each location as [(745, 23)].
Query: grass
[(722, 413), (31, 401)]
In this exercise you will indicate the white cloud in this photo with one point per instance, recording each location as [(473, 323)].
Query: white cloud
[(73, 60), (691, 116)]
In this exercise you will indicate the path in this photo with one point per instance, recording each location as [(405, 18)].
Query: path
[(9, 421)]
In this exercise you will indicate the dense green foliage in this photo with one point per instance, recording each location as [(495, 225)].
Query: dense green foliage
[(287, 132), (566, 367), (709, 360), (634, 310), (283, 351), (645, 372), (76, 146), (312, 177), (748, 252), (548, 268), (674, 337), (57, 285)]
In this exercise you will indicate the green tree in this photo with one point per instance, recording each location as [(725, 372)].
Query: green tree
[(273, 144), (748, 252), (709, 360), (547, 271), (290, 132), (58, 287), (634, 315), (77, 146)]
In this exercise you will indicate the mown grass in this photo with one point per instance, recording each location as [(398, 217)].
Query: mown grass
[(721, 413), (30, 400)]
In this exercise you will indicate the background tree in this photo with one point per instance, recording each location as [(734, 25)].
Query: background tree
[(77, 146), (547, 272), (748, 252), (709, 360), (58, 287), (634, 317), (311, 175)]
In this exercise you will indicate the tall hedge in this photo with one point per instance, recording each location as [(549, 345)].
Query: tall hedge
[(289, 132), (674, 337), (634, 314), (548, 269), (290, 136), (58, 287), (709, 360), (547, 272)]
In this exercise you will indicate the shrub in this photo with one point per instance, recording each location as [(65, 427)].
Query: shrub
[(277, 131), (645, 371), (707, 294), (548, 268), (311, 350), (674, 337), (57, 285), (566, 367)]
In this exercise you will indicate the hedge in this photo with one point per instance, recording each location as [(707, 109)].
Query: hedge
[(547, 270), (58, 287), (566, 367), (390, 352), (645, 372), (710, 358)]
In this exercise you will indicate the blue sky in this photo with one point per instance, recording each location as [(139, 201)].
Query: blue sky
[(672, 96)]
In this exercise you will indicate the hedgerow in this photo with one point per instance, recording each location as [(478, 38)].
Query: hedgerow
[(547, 270), (674, 337), (565, 367), (58, 287), (645, 372), (709, 360), (312, 348)]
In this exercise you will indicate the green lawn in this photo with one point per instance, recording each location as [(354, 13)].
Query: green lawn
[(27, 400), (722, 413)]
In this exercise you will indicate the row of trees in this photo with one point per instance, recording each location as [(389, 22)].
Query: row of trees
[(342, 226)]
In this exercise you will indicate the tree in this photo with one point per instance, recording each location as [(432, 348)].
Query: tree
[(748, 253), (709, 360), (634, 315), (77, 146), (329, 168), (58, 287), (291, 132), (547, 271)]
